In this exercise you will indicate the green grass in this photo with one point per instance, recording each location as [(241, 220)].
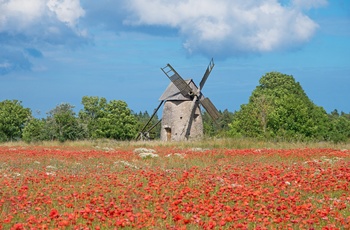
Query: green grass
[(206, 143)]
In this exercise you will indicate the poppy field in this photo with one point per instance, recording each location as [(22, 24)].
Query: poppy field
[(174, 188)]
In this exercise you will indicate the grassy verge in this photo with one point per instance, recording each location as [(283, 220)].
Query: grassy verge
[(229, 143)]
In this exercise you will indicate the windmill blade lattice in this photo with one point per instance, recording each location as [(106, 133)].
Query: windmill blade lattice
[(209, 107), (177, 80), (206, 74)]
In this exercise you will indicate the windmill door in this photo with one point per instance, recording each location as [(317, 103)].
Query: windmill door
[(168, 134)]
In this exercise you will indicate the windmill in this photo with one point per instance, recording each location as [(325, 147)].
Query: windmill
[(182, 118)]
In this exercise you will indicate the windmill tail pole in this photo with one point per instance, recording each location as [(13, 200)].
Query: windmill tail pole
[(150, 129), (144, 127), (190, 120)]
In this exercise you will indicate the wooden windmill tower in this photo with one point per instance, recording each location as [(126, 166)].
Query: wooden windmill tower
[(182, 118)]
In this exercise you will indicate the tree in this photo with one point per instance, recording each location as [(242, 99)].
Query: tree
[(340, 127), (93, 110), (62, 124), (209, 127), (279, 108), (142, 119), (13, 117), (34, 130), (117, 122), (218, 128), (108, 119)]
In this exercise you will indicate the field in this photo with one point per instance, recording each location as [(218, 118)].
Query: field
[(173, 187)]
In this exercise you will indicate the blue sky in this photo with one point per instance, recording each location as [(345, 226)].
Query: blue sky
[(57, 51)]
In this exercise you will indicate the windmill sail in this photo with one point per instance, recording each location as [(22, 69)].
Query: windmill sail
[(210, 108), (206, 74), (177, 80)]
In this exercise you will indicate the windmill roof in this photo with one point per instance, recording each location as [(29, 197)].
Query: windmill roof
[(172, 93)]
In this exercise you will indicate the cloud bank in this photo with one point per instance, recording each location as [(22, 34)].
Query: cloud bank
[(29, 25), (221, 27), (209, 27)]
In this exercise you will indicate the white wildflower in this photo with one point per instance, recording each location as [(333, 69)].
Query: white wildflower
[(125, 163), (198, 149), (147, 155), (144, 150), (51, 173), (181, 155), (51, 167)]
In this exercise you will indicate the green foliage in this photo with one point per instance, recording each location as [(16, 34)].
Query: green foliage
[(279, 108), (209, 126), (340, 127), (143, 118), (93, 110), (117, 122), (108, 119), (220, 127), (34, 130), (62, 124), (13, 117)]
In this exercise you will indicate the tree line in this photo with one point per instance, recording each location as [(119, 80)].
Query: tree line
[(278, 109)]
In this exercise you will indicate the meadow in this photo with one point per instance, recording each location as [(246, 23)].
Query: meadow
[(221, 184)]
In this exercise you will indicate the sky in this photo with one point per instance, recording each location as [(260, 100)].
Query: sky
[(57, 51)]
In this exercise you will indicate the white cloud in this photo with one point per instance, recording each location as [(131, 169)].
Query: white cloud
[(19, 14), (33, 24), (22, 15), (240, 26), (210, 27), (67, 11)]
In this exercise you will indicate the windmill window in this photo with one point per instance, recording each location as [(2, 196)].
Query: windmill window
[(180, 117)]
